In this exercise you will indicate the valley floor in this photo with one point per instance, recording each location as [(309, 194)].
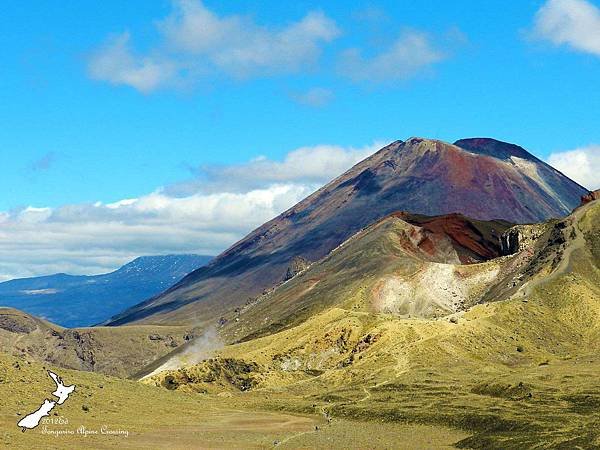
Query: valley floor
[(548, 406), (158, 418)]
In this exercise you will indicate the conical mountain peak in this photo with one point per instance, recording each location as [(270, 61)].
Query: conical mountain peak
[(482, 181)]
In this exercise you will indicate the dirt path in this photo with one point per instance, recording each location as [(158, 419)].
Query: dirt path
[(316, 429), (367, 395), (349, 434), (577, 243)]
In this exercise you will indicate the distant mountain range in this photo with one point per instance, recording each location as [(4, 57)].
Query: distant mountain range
[(80, 300), (481, 178)]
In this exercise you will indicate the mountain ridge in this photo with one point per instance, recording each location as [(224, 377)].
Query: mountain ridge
[(112, 351), (423, 176), (84, 300)]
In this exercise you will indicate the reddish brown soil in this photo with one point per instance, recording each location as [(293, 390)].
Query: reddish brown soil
[(473, 240), (595, 195)]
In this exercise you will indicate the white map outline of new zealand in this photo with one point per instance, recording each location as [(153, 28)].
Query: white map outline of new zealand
[(62, 392)]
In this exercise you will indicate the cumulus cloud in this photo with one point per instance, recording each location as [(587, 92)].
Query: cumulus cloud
[(93, 238), (314, 97), (574, 23), (306, 166), (239, 46), (196, 41), (411, 53), (116, 63), (208, 217), (581, 165)]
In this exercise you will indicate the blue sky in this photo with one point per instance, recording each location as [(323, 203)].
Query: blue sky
[(107, 101)]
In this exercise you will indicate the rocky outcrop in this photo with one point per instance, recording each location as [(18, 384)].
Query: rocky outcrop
[(17, 323), (84, 345), (118, 352), (590, 197), (519, 238), (509, 242), (473, 241), (297, 265), (226, 372)]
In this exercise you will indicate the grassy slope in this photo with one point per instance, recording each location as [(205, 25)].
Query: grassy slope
[(118, 351), (351, 275), (516, 373)]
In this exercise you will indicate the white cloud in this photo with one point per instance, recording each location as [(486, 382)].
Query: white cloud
[(239, 46), (308, 166), (317, 164), (34, 215), (96, 238), (581, 165), (207, 218), (314, 97), (408, 55), (196, 41), (116, 63), (575, 23)]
